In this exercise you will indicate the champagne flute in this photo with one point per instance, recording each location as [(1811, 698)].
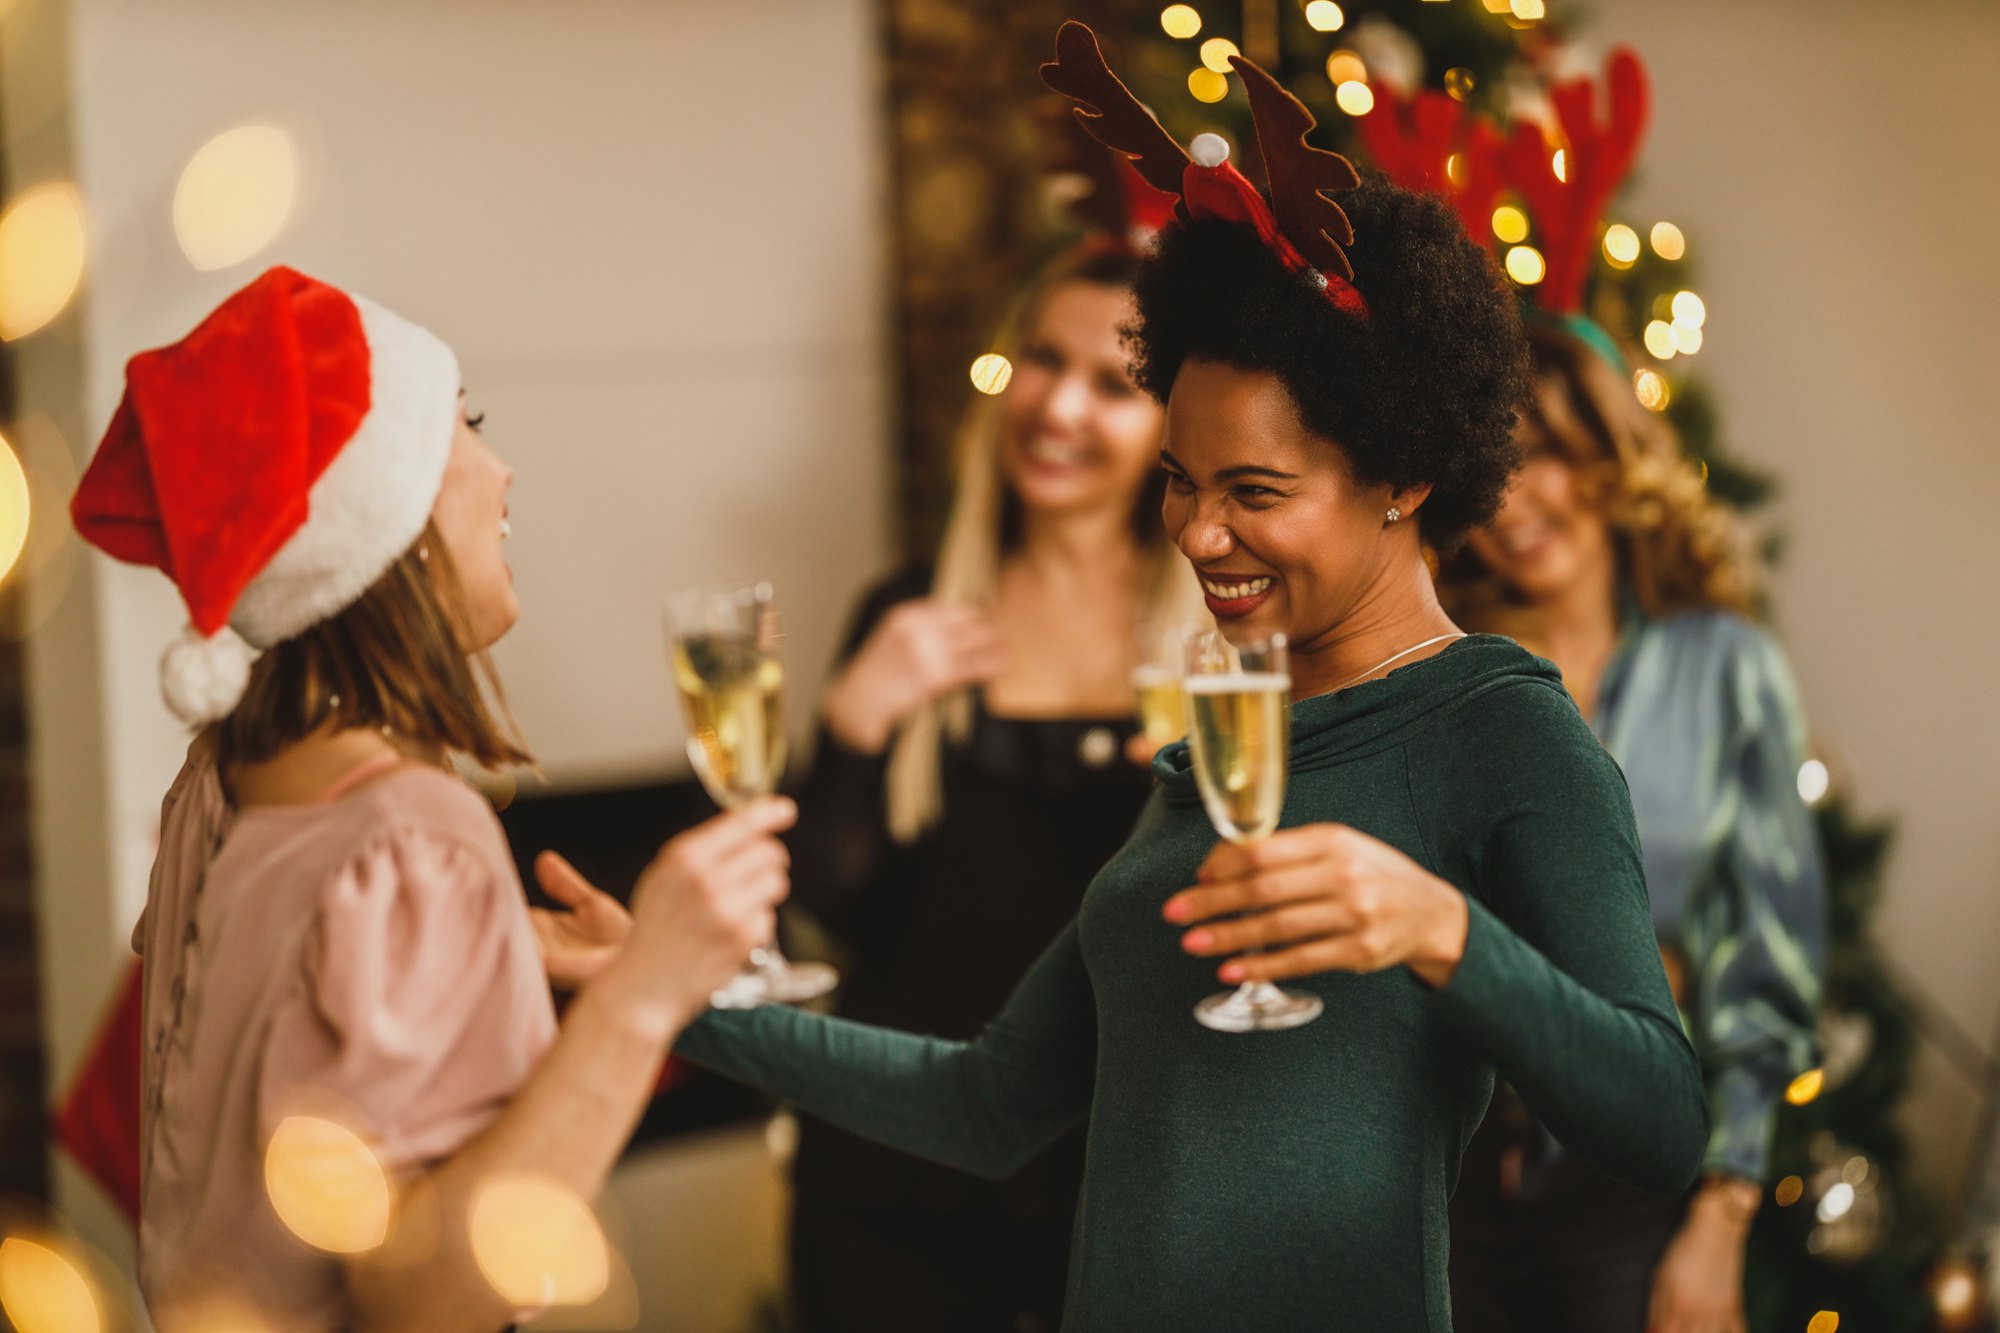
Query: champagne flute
[(1240, 706), (723, 649), (1156, 682)]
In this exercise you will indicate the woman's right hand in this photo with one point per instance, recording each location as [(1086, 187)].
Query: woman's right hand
[(920, 650), (701, 906)]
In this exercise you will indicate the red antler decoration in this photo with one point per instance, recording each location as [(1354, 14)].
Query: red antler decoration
[(1110, 113), (1414, 140), (1596, 159), (1300, 174)]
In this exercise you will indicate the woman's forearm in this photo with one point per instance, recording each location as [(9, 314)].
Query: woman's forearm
[(568, 1124)]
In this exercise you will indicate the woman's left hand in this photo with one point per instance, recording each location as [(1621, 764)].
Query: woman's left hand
[(575, 945), (1321, 898), (1698, 1287)]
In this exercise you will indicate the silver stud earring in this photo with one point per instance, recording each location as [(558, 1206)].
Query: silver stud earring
[(1394, 515)]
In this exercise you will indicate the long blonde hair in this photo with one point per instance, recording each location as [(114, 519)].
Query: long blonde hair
[(1678, 548), (977, 535)]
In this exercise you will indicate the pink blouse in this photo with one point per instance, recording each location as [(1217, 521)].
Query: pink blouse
[(367, 959)]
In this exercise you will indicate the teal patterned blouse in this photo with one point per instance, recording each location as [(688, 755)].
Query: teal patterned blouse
[(1701, 711)]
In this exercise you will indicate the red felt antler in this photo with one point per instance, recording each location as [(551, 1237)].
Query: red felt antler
[(1300, 174), (1597, 158), (1119, 121), (1414, 140)]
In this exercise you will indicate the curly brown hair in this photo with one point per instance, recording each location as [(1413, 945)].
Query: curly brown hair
[(1678, 547)]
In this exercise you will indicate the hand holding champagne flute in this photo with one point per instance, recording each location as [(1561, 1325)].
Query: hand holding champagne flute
[(723, 647), (1240, 710)]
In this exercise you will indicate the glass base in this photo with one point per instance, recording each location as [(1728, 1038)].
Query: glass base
[(769, 978), (1258, 1006)]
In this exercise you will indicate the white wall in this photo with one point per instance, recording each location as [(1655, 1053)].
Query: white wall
[(1835, 165), (649, 227)]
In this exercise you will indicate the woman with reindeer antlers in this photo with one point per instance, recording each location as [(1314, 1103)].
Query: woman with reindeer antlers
[(1456, 876)]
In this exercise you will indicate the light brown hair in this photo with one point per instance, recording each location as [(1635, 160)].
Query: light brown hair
[(402, 657), (1678, 548)]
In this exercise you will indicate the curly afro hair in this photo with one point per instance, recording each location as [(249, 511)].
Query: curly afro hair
[(1424, 390)]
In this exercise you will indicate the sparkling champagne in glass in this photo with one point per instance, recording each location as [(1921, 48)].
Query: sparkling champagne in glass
[(723, 648), (1240, 712), (1162, 704)]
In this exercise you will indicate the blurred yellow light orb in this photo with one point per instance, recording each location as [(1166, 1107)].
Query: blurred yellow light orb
[(1651, 387), (41, 258), (537, 1243), (1498, 7), (1621, 245), (1207, 85), (1180, 21), (1814, 781), (1826, 1321), (1668, 243), (1955, 1293), (1687, 338), (990, 373), (1355, 98), (1660, 340), (1324, 16), (235, 195), (13, 507), (1510, 224), (1560, 164), (1454, 168), (1790, 1190), (1806, 1087), (327, 1186), (1526, 266), (1215, 53), (1345, 66), (43, 1292), (1459, 82), (1688, 309), (1528, 10)]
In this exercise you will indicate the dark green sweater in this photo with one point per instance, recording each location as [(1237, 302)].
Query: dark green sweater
[(1297, 1180)]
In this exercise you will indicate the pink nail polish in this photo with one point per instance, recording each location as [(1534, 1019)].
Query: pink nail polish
[(1231, 972), (1196, 940), (1177, 910)]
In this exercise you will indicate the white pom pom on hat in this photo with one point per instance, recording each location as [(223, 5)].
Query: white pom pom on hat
[(1208, 150), (203, 679)]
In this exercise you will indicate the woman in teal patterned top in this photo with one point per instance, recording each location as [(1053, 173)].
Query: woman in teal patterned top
[(1610, 558)]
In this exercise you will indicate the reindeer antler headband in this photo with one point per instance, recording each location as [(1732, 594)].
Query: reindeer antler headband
[(1303, 226)]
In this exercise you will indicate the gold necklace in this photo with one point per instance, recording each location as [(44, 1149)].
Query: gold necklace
[(1396, 657)]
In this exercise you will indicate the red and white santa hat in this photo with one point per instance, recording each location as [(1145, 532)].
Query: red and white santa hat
[(273, 463)]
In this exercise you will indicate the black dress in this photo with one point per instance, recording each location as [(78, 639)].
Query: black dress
[(940, 931)]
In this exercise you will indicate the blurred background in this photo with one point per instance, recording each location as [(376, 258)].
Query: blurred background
[(717, 272)]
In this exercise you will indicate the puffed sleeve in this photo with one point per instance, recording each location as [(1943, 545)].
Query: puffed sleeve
[(1755, 937), (421, 1007)]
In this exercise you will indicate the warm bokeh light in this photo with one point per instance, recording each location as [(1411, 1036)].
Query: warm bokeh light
[(1529, 10), (1325, 16), (327, 1186), (1660, 340), (1689, 309), (41, 258), (1790, 1190), (1560, 164), (1526, 266), (236, 195), (1833, 1204), (1855, 1171), (1621, 245), (43, 1292), (1345, 66), (1215, 53), (1355, 98), (1454, 168), (1180, 21), (991, 373), (1459, 82), (1687, 338), (1651, 387), (1955, 1294), (1814, 780), (537, 1243), (1826, 1321), (1207, 85), (1668, 243), (1806, 1087), (13, 507), (1510, 224)]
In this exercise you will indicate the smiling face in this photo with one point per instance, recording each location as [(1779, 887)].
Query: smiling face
[(1281, 535), (1549, 537), (1077, 434), (470, 515)]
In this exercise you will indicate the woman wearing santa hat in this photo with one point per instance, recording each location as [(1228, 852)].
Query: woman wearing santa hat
[(334, 930)]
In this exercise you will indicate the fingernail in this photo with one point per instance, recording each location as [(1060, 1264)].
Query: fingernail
[(1197, 940), (1177, 909), (1231, 972)]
